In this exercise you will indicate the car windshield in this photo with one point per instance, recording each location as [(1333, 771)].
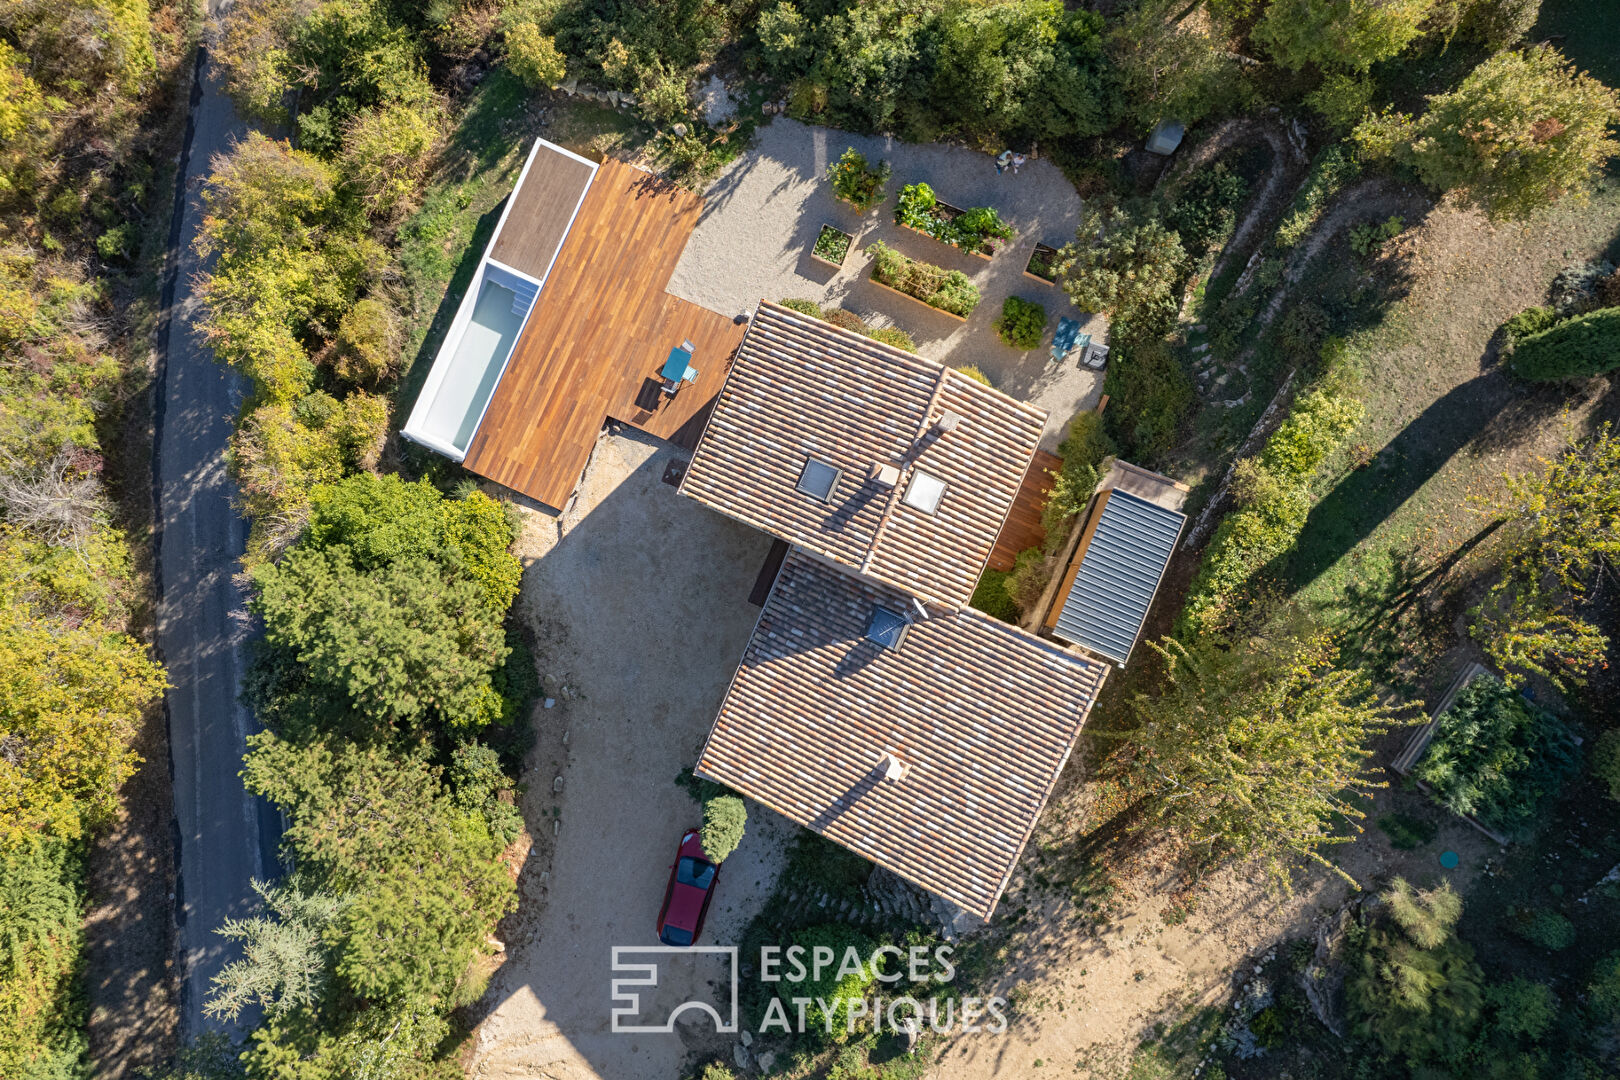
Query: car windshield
[(694, 872), (674, 935)]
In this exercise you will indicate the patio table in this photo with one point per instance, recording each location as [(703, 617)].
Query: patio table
[(678, 368), (1063, 338)]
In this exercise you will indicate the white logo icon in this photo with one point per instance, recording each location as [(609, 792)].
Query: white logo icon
[(627, 1000)]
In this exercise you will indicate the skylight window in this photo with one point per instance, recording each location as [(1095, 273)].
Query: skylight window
[(924, 492), (887, 628), (818, 479)]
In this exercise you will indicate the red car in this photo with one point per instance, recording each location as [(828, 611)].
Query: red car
[(691, 887)]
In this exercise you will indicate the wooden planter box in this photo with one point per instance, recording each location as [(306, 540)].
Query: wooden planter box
[(915, 300), (949, 213), (849, 244), (1041, 250)]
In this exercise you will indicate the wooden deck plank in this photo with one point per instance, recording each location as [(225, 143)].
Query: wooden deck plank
[(1022, 529), (601, 328)]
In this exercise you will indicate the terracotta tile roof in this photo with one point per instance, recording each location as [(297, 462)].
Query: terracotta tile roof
[(982, 716), (801, 387)]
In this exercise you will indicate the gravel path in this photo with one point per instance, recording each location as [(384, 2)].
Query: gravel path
[(639, 602), (764, 211)]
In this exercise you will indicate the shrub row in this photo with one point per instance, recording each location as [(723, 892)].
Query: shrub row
[(889, 335), (1274, 498)]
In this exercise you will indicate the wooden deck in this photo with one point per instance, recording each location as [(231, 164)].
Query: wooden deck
[(600, 331), (1022, 529)]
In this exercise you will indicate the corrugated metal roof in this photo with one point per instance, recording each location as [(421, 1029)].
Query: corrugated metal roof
[(1118, 576)]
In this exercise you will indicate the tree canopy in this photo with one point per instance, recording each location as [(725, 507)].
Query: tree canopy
[(1521, 131), (1351, 35), (1257, 743), (1121, 264)]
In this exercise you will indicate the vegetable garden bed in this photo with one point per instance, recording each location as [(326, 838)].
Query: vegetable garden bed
[(979, 231), (832, 246), (1503, 756), (946, 291), (1041, 265)]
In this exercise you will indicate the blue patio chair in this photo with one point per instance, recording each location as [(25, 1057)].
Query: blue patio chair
[(1063, 339)]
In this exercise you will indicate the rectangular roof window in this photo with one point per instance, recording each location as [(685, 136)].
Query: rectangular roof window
[(887, 628), (818, 479), (925, 492)]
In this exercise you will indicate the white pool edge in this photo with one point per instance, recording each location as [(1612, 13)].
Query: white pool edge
[(415, 428)]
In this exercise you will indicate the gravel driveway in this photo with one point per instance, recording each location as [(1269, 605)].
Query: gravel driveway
[(764, 211), (639, 599)]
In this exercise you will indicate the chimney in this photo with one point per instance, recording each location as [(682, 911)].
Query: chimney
[(947, 422), (893, 770), (886, 476)]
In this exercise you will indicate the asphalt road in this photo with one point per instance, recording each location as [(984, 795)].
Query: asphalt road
[(226, 837)]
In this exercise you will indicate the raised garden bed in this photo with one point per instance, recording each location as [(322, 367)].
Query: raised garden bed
[(978, 230), (832, 246), (1503, 755), (1042, 265), (946, 291)]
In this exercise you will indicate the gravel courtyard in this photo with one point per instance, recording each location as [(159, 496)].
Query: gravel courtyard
[(639, 601), (764, 211)]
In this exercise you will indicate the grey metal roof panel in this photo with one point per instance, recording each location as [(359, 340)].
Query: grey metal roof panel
[(1119, 575)]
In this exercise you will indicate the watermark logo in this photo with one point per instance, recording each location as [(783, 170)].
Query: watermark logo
[(628, 1009), (900, 990)]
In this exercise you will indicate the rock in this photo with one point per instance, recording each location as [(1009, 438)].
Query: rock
[(495, 943), (556, 827), (551, 702), (556, 785), (679, 129), (740, 1054), (566, 734), (570, 87), (613, 98), (747, 1039), (767, 1061)]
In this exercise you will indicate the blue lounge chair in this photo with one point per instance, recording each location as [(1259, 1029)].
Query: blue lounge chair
[(1063, 339)]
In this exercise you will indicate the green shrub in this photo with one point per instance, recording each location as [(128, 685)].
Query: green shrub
[(724, 820), (1367, 238), (1523, 1009), (1273, 495), (1496, 756), (856, 181), (1342, 99), (41, 932), (990, 596), (1606, 761), (1527, 322), (974, 373), (1205, 209), (1149, 394), (1083, 449), (534, 57), (803, 307), (1406, 832), (1584, 345), (1021, 324), (368, 343), (1330, 172), (893, 335), (836, 992), (948, 290), (115, 243), (1543, 928), (1029, 578), (1604, 990)]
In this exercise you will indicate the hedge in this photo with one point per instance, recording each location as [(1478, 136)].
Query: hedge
[(1585, 345), (1276, 499)]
